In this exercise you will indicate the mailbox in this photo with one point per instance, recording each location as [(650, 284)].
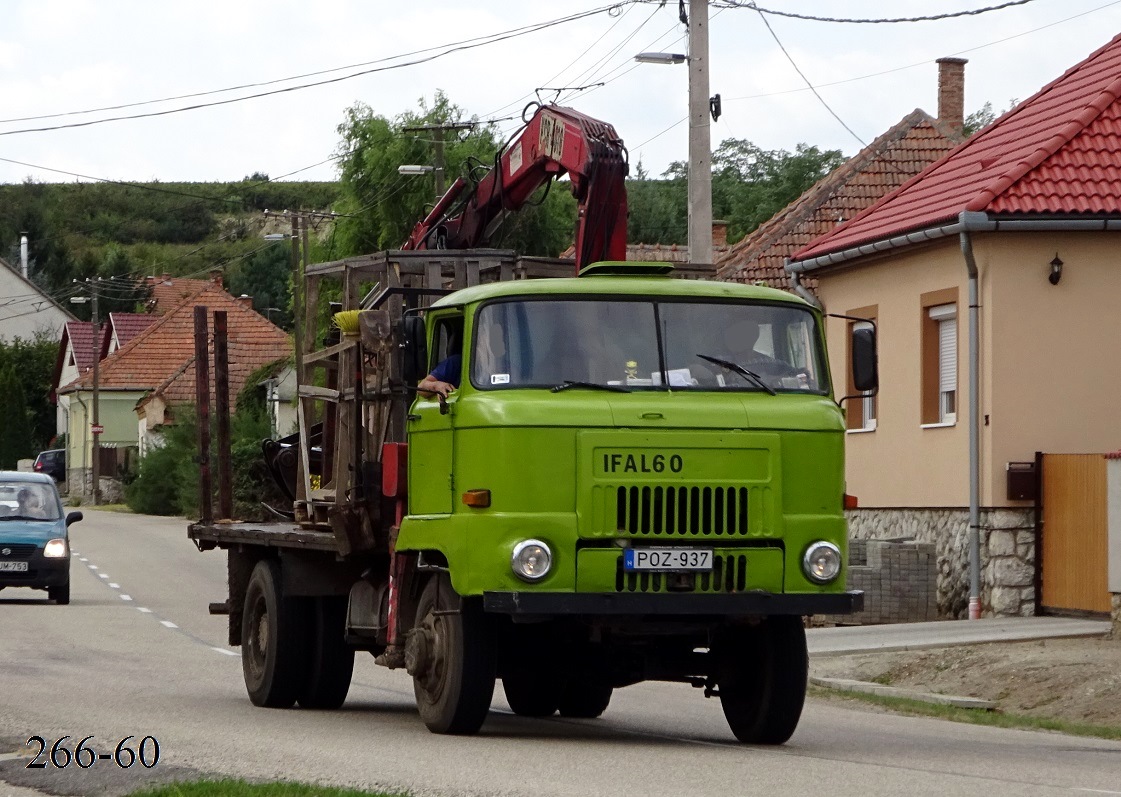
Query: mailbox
[(1021, 481)]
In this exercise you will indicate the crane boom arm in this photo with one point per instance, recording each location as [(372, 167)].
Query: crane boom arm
[(556, 141)]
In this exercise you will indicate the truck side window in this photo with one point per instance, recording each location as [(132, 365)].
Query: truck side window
[(447, 339)]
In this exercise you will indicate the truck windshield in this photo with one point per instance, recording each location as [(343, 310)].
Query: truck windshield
[(647, 345)]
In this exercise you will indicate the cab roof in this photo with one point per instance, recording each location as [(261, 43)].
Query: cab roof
[(639, 287)]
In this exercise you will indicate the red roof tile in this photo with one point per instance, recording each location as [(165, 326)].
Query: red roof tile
[(167, 346), (1055, 153), (168, 292), (80, 336), (127, 326), (899, 154)]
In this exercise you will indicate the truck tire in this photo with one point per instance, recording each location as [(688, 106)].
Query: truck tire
[(529, 694), (451, 654), (273, 639), (330, 660), (585, 698), (762, 679)]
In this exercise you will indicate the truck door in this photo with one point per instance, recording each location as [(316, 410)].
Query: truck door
[(431, 442)]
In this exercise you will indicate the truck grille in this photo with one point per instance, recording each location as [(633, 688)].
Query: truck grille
[(729, 574), (676, 511), (18, 550)]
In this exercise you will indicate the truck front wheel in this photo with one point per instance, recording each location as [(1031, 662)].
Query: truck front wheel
[(273, 638), (761, 675), (451, 654), (585, 698)]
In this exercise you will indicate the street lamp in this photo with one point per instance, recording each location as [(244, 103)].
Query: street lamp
[(416, 169), (700, 143)]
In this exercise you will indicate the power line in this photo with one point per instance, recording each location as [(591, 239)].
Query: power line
[(469, 44), (810, 85), (950, 15)]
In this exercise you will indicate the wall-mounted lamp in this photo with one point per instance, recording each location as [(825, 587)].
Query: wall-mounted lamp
[(1056, 270)]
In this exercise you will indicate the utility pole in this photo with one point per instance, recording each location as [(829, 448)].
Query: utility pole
[(700, 141), (95, 427), (438, 146)]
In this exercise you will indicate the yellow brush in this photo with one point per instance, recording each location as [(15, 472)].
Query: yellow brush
[(347, 321)]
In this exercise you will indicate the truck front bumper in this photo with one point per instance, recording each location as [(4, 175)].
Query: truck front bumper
[(630, 603)]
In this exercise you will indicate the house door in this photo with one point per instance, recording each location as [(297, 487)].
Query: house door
[(1074, 559)]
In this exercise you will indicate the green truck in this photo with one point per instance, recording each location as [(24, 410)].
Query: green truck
[(639, 477)]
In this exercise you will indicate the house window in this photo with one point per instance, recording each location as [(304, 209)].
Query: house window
[(940, 358), (860, 412)]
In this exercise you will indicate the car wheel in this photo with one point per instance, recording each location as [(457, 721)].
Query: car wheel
[(60, 594)]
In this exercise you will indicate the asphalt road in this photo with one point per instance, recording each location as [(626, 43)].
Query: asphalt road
[(136, 654)]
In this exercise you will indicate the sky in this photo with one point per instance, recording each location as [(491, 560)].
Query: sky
[(61, 59)]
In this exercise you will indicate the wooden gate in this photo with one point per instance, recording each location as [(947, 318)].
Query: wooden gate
[(1074, 560)]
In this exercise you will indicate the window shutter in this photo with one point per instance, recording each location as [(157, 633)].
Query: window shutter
[(947, 355)]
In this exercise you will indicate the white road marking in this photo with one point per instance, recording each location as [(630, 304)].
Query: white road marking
[(1099, 791), (102, 575), (92, 567), (114, 586), (82, 559), (168, 624), (126, 597), (143, 609), (227, 652)]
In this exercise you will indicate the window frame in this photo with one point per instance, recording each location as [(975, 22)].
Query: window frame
[(938, 308)]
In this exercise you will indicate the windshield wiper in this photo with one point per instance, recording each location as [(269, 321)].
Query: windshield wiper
[(566, 384), (739, 369)]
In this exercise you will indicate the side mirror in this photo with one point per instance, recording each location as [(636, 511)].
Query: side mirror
[(414, 349), (865, 369), (73, 517)]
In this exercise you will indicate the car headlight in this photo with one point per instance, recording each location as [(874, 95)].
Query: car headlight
[(56, 549), (822, 562), (531, 560)]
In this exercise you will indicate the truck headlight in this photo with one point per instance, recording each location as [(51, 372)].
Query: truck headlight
[(822, 562), (55, 549), (531, 560)]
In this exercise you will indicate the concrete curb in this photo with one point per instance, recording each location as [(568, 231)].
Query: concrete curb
[(863, 687)]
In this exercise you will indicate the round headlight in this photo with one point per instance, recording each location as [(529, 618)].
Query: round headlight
[(822, 562), (531, 560), (55, 549)]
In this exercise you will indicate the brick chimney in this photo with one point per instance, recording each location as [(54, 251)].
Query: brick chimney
[(245, 300), (951, 94), (719, 233), (216, 276)]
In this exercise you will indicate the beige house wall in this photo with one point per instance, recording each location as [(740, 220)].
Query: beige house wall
[(902, 464), (1048, 379), (1056, 372)]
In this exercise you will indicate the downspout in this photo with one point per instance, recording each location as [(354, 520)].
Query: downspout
[(974, 430), (800, 289)]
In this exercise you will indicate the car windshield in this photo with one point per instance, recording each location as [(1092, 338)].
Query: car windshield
[(648, 345), (28, 501)]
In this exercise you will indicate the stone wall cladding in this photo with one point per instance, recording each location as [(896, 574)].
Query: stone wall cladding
[(1007, 553), (1115, 614)]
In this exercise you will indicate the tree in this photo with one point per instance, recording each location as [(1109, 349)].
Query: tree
[(15, 432), (32, 365), (381, 206), (983, 117), (266, 276)]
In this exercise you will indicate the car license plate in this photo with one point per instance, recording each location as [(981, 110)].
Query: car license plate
[(667, 560), (13, 567)]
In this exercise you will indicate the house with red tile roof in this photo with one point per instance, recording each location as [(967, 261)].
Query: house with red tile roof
[(992, 278), (150, 373), (892, 159)]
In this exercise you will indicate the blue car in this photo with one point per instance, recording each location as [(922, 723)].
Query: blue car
[(34, 542)]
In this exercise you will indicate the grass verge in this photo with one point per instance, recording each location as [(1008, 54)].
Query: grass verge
[(996, 718), (241, 788)]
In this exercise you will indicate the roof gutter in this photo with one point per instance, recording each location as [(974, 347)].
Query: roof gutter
[(968, 222)]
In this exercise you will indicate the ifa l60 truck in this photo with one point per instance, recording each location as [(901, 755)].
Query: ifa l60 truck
[(639, 476)]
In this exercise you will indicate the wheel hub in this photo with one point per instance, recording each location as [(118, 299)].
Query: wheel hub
[(418, 652)]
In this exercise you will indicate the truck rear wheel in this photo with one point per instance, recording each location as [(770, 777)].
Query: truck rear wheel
[(451, 654), (585, 698), (762, 674), (273, 639), (331, 660)]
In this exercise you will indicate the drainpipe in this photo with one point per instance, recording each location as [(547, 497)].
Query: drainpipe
[(802, 290), (974, 430)]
